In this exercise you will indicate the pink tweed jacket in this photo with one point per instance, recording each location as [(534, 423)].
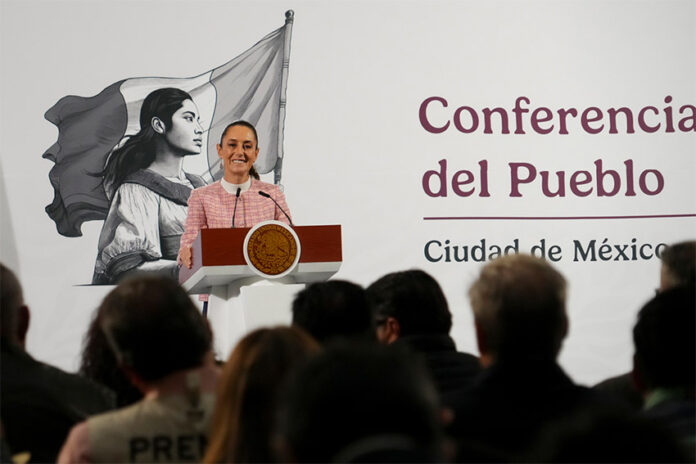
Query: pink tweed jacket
[(211, 207)]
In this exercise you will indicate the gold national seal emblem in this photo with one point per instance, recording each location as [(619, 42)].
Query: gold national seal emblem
[(271, 248)]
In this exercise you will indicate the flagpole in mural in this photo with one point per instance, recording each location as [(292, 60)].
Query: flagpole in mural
[(289, 19), (251, 86)]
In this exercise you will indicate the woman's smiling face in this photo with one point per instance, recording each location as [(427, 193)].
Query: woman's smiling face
[(238, 152)]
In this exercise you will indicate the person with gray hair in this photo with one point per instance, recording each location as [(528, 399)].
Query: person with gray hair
[(678, 265), (519, 309), (519, 306)]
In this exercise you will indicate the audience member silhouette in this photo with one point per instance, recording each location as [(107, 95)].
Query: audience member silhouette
[(333, 310), (678, 268), (39, 402), (678, 265), (520, 318), (163, 344), (410, 309), (281, 397), (360, 402), (99, 364), (664, 363), (248, 393)]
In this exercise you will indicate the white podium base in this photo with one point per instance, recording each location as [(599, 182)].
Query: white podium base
[(240, 307)]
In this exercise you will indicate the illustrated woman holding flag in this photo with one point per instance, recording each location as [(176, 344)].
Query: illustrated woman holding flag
[(239, 199), (149, 190)]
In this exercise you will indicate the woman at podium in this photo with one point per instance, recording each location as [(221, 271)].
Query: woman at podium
[(239, 199)]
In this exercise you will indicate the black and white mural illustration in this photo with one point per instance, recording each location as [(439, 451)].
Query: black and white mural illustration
[(119, 155)]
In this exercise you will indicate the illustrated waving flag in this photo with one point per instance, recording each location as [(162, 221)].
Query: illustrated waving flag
[(251, 87)]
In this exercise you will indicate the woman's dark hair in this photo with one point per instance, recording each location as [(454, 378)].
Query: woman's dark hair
[(248, 393), (252, 172), (138, 152), (100, 365)]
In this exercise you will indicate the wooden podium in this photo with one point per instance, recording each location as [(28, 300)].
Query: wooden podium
[(242, 298)]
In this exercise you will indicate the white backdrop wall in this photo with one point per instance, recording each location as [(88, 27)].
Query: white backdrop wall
[(356, 151)]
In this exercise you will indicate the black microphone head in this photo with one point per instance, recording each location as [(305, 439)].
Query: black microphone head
[(239, 190), (264, 194)]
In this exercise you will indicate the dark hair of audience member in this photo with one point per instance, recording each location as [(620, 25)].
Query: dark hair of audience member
[(100, 365), (333, 310), (11, 304), (519, 307), (594, 436), (360, 402), (153, 327), (405, 296), (665, 342), (678, 265), (248, 392)]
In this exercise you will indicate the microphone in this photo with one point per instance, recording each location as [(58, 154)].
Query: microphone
[(239, 190), (264, 194)]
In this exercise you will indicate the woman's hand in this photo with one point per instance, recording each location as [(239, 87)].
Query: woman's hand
[(186, 257)]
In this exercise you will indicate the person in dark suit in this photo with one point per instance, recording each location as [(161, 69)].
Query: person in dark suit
[(39, 403), (678, 269), (664, 363), (411, 310), (520, 318)]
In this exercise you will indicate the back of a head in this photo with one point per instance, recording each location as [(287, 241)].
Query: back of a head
[(11, 299), (99, 363), (359, 400), (519, 308), (153, 327), (333, 310), (415, 299), (678, 265), (665, 340), (248, 392)]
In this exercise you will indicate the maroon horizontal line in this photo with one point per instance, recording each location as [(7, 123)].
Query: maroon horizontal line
[(550, 218)]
